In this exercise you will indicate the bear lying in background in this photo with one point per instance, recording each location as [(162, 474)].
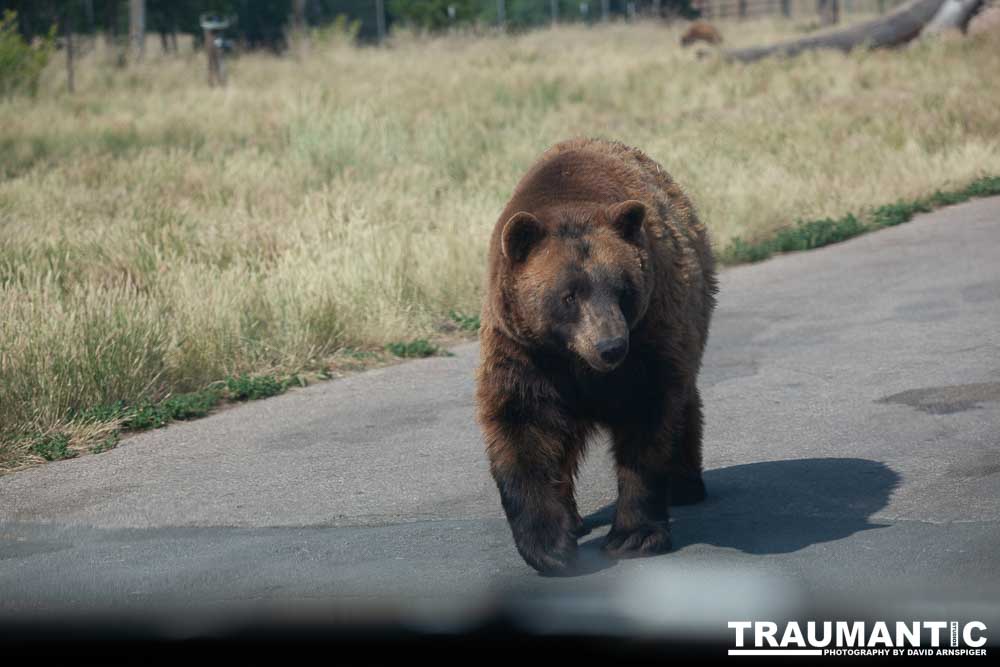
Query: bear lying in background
[(600, 288), (701, 31)]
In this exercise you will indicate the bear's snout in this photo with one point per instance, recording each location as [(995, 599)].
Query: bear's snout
[(613, 350)]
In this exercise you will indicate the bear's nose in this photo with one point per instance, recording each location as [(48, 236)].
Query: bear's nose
[(613, 350)]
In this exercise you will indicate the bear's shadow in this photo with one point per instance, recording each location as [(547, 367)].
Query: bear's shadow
[(774, 507)]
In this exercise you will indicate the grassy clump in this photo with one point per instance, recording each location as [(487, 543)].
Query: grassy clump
[(21, 64), (98, 429), (806, 235), (465, 321), (52, 447), (146, 414), (105, 444), (247, 388), (420, 347)]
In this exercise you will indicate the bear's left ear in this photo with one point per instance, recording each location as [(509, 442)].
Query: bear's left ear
[(520, 234), (627, 218)]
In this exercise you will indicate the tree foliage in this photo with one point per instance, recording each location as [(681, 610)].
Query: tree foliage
[(21, 63), (264, 23)]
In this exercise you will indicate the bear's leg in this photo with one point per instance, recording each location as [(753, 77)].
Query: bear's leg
[(686, 484), (527, 465), (567, 488), (642, 514)]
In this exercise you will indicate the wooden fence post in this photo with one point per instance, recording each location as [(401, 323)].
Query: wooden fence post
[(212, 27)]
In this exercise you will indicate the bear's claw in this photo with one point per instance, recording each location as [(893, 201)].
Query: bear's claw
[(559, 559), (646, 539)]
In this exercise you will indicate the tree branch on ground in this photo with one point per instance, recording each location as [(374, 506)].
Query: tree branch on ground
[(894, 29)]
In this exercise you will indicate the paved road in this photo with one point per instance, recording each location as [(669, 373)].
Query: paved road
[(853, 444)]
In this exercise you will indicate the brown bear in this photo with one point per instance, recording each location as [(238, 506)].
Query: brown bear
[(701, 31), (600, 288)]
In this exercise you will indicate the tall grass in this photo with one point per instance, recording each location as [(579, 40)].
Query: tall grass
[(157, 235)]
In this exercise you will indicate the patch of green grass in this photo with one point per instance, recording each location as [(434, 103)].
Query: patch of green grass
[(253, 387), (190, 406), (891, 215), (984, 187), (178, 407), (107, 444), (420, 347), (464, 321), (809, 234), (147, 414), (743, 252), (53, 447)]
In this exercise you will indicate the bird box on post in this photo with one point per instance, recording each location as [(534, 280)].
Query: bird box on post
[(212, 26)]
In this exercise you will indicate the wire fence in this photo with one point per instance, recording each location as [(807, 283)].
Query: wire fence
[(379, 17), (824, 9)]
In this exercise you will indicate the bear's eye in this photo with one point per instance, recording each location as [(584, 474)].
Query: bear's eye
[(569, 299)]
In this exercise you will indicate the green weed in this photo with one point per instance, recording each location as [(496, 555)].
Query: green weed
[(464, 321), (806, 235), (420, 347), (53, 447)]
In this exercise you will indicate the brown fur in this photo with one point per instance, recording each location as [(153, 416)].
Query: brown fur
[(596, 246), (701, 31)]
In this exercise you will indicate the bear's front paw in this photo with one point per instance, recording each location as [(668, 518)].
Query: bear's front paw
[(646, 539), (548, 547)]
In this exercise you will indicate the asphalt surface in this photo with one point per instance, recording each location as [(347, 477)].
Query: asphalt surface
[(852, 449)]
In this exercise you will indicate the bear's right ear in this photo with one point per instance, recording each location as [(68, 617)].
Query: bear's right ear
[(520, 234), (627, 217)]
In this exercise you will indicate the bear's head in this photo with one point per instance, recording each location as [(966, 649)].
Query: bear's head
[(576, 280)]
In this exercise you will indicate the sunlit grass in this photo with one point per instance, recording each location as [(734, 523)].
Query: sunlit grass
[(157, 236)]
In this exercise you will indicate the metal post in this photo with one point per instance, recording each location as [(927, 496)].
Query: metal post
[(786, 8), (213, 58), (380, 19), (502, 14), (605, 9), (554, 10), (213, 27)]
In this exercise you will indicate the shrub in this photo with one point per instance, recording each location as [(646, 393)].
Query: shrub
[(420, 347), (432, 14), (21, 64)]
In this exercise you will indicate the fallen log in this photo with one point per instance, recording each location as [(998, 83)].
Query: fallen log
[(954, 14), (894, 29)]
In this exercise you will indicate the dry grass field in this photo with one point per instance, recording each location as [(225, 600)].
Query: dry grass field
[(157, 235)]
